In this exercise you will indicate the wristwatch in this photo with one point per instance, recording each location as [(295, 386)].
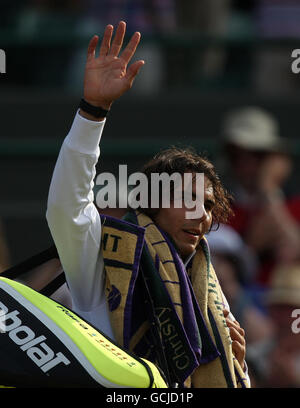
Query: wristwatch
[(96, 111)]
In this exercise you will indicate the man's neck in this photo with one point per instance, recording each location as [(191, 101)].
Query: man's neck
[(187, 259)]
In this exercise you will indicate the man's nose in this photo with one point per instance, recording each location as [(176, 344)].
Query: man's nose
[(199, 213)]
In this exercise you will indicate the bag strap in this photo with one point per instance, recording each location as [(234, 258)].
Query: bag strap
[(53, 285), (31, 263)]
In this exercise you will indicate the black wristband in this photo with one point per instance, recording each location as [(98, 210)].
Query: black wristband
[(93, 110)]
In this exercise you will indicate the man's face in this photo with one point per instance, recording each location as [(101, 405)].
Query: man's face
[(187, 233)]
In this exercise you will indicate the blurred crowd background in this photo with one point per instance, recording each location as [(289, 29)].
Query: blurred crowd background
[(217, 77)]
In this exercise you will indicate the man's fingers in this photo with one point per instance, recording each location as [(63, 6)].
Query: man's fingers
[(238, 349), (239, 352), (105, 44), (134, 69), (129, 51), (118, 39), (237, 335), (236, 326), (92, 47)]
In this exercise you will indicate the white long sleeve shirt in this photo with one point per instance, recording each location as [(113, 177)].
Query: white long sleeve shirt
[(75, 223)]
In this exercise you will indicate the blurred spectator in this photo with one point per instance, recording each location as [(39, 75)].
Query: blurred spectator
[(284, 301), (215, 63), (235, 265), (151, 17), (260, 163), (276, 19), (279, 18), (56, 22), (146, 16), (225, 240), (50, 17), (207, 18)]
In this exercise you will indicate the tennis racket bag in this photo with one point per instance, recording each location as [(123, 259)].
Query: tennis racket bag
[(45, 344)]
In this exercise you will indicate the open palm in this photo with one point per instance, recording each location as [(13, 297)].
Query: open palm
[(106, 76)]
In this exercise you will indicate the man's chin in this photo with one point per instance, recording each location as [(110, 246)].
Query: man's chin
[(186, 251)]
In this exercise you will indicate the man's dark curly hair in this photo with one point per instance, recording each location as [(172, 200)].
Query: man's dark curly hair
[(183, 160)]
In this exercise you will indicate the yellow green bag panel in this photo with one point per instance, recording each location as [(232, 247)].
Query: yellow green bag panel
[(44, 344)]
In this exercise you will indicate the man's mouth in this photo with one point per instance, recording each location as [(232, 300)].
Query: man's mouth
[(193, 233)]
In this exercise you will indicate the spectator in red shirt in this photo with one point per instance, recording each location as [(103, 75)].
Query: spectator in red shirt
[(260, 164)]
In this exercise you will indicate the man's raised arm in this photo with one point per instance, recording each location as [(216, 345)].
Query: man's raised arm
[(72, 217)]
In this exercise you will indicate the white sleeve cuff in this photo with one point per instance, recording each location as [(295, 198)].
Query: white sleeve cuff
[(84, 135)]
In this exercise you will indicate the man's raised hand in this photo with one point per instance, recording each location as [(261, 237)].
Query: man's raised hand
[(107, 76)]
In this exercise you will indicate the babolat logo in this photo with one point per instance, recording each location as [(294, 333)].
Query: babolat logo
[(24, 337)]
